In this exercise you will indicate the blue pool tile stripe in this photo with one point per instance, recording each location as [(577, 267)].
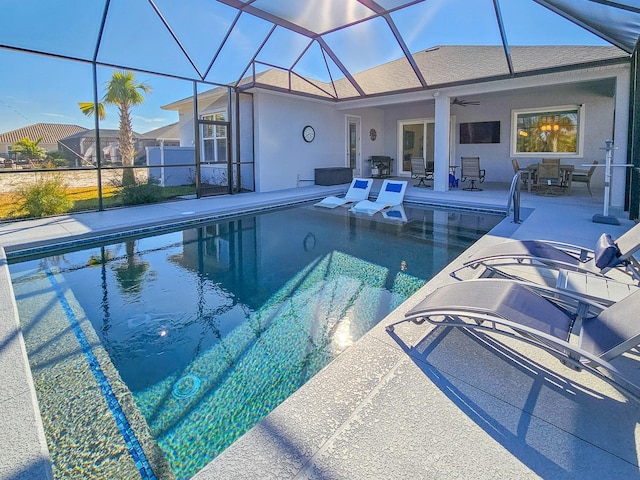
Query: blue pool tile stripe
[(134, 447)]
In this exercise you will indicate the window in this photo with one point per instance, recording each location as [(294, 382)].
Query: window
[(556, 130), (214, 139)]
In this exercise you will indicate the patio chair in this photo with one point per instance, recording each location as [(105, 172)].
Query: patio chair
[(358, 191), (525, 173), (419, 171), (548, 175), (391, 194), (606, 255), (584, 176), (471, 171), (511, 308)]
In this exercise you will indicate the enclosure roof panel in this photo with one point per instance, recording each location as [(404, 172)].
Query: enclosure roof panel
[(327, 48)]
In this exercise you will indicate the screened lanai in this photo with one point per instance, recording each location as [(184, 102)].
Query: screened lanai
[(311, 45), (315, 49)]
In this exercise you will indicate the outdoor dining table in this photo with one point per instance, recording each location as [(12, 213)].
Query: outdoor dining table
[(566, 174)]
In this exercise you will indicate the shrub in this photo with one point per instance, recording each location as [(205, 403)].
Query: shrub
[(44, 197), (56, 155), (60, 162), (139, 193)]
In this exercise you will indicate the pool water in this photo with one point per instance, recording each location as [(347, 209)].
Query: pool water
[(199, 334)]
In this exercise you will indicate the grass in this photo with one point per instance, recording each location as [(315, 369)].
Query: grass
[(86, 199)]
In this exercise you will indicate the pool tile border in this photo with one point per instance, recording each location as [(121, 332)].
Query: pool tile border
[(130, 439)]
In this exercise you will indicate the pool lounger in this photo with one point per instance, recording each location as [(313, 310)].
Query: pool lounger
[(607, 255), (515, 309), (391, 194), (358, 191)]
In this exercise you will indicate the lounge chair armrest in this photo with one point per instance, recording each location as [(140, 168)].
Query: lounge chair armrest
[(632, 267), (584, 254)]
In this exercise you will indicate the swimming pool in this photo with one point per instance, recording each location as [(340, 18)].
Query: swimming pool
[(153, 355)]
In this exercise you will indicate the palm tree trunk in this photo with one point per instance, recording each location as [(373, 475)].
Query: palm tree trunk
[(127, 146)]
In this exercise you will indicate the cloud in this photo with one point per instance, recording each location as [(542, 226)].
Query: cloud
[(17, 99), (56, 115), (150, 120)]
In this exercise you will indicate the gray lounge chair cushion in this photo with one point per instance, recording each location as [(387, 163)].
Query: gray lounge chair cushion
[(606, 253), (614, 331), (510, 301)]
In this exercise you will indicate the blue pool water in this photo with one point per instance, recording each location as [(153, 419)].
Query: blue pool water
[(201, 333)]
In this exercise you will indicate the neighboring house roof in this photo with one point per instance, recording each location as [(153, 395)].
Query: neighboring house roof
[(168, 132), (104, 133), (50, 133)]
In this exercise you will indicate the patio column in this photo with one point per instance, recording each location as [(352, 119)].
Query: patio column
[(620, 136), (441, 147)]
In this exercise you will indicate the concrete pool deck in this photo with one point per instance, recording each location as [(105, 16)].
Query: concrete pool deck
[(454, 405)]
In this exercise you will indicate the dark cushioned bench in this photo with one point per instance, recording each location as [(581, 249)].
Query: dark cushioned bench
[(333, 175)]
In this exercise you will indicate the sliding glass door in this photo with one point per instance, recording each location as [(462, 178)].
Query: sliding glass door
[(416, 139)]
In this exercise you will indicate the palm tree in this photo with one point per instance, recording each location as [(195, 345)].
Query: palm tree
[(29, 150), (124, 91)]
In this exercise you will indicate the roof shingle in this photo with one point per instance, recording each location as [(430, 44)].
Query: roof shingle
[(50, 132)]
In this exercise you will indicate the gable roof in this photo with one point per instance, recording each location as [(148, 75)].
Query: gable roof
[(104, 134), (50, 132), (440, 66), (465, 64), (167, 132)]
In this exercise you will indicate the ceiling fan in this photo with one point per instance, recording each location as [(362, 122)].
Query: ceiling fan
[(463, 103)]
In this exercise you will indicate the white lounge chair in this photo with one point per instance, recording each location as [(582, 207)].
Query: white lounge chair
[(358, 191), (391, 194)]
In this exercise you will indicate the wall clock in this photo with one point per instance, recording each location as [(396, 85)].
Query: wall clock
[(308, 133)]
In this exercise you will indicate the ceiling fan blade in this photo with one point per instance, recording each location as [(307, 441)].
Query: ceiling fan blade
[(463, 103)]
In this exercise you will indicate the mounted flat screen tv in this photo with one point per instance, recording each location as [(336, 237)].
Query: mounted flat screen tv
[(480, 132)]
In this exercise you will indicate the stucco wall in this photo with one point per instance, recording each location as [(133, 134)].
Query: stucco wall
[(496, 158), (282, 155)]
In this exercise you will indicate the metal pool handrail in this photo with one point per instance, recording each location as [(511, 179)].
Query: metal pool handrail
[(514, 196)]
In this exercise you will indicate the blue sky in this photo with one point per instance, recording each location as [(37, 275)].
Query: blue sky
[(35, 88)]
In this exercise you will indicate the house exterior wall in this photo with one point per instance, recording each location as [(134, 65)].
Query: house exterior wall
[(49, 147), (284, 160), (282, 155), (496, 157)]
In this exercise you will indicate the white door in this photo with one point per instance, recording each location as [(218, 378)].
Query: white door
[(353, 159)]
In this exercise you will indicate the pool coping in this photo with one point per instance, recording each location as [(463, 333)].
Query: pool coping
[(24, 447)]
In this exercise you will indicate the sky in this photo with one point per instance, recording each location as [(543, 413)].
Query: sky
[(36, 88)]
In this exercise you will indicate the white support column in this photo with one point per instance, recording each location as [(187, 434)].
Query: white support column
[(620, 132), (441, 147)]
